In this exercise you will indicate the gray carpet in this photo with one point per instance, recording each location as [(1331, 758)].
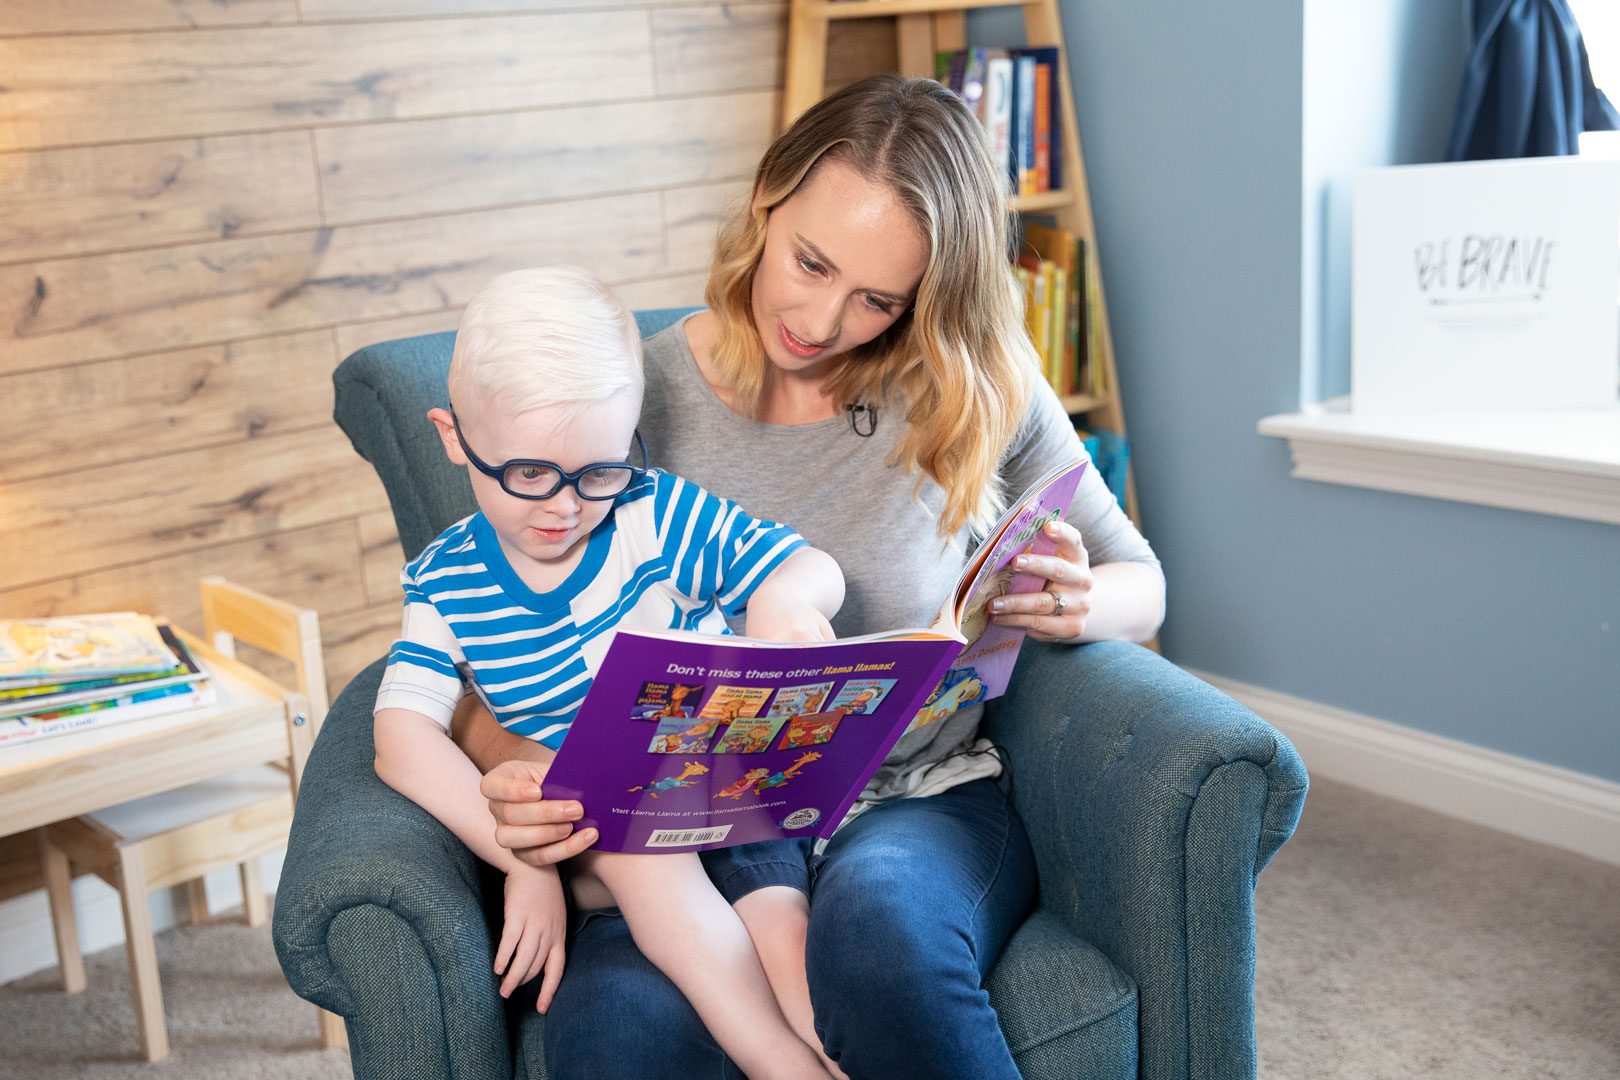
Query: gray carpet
[(1394, 943)]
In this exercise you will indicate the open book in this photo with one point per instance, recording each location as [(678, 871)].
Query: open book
[(689, 741)]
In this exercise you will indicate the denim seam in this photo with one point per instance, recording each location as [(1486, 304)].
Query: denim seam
[(1078, 1024), (752, 867), (1001, 861)]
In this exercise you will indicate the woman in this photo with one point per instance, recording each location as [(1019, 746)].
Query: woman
[(862, 372)]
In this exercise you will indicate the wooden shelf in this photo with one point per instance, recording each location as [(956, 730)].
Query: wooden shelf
[(867, 9), (1080, 403), (1046, 200)]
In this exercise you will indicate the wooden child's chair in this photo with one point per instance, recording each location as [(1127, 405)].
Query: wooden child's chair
[(178, 836)]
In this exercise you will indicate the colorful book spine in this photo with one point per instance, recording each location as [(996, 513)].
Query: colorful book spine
[(1043, 127), (138, 706), (999, 106), (1024, 124)]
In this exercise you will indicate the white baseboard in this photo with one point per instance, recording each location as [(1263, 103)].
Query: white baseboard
[(1567, 809), (27, 944)]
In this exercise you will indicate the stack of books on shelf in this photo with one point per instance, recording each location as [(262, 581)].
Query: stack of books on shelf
[(67, 674), (1012, 92), (1059, 296)]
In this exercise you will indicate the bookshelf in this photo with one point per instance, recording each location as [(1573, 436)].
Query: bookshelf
[(924, 28)]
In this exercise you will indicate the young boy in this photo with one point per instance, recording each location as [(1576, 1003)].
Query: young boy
[(575, 536)]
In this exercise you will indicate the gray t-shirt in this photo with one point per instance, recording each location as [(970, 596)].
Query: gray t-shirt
[(837, 489)]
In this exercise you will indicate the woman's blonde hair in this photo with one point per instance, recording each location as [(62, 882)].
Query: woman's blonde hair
[(959, 360)]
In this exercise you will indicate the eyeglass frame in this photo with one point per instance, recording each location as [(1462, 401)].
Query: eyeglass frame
[(565, 478)]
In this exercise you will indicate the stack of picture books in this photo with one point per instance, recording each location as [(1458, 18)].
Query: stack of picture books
[(66, 674), (1059, 297), (1012, 92)]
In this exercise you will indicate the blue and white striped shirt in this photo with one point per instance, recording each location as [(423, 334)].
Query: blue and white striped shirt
[(670, 556)]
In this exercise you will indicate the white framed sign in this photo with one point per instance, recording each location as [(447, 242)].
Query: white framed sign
[(1489, 286)]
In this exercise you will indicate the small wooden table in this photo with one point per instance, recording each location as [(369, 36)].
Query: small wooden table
[(56, 779), (255, 721)]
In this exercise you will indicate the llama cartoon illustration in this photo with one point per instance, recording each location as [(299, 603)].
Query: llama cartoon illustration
[(780, 779), (738, 789), (689, 739), (687, 777)]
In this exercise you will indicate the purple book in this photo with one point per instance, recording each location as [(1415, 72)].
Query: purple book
[(691, 741)]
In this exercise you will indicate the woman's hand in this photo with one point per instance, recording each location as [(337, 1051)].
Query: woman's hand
[(532, 932), (1058, 613), (536, 830)]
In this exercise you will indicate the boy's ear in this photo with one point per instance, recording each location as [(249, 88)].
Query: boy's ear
[(446, 425)]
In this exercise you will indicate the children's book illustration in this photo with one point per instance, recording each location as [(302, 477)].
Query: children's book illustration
[(658, 700), (798, 700), (814, 730), (688, 775), (758, 781), (731, 702), (749, 736), (827, 712), (861, 697), (43, 650), (679, 735)]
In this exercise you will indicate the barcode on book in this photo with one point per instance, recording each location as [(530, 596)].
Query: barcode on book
[(687, 837)]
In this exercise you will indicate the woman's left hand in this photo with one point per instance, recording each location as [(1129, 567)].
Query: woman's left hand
[(1059, 612)]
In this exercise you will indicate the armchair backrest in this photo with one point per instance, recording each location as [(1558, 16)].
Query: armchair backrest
[(383, 394)]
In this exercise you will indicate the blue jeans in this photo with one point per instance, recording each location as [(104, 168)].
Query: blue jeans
[(909, 907)]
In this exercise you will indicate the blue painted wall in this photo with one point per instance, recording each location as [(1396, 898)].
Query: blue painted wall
[(1224, 262)]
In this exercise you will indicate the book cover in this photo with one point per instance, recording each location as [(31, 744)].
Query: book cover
[(54, 650), (55, 696), (973, 81), (788, 734)]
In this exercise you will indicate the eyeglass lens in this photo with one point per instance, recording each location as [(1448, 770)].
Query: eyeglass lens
[(537, 481)]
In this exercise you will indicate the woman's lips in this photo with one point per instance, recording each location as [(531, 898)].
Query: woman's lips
[(797, 346)]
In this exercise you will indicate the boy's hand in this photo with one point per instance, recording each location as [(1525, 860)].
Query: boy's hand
[(532, 934), (771, 619), (537, 830)]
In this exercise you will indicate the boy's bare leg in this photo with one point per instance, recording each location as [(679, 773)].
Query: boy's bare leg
[(778, 921), (685, 927)]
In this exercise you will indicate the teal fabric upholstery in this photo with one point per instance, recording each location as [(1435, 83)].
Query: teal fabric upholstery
[(1153, 802)]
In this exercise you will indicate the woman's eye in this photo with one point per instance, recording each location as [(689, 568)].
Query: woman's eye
[(809, 266), (877, 305)]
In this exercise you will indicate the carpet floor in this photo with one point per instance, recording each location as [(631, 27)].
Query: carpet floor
[(1395, 944)]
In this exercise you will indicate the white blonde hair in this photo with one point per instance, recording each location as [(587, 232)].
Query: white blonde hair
[(547, 336)]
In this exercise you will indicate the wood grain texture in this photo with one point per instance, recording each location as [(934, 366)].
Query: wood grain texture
[(320, 10), (359, 335), (355, 639), (102, 198), (65, 91), (381, 557), (148, 509), (678, 290), (692, 215), (316, 567), (87, 16), (76, 310), (408, 168), (727, 47), (858, 47), (217, 395)]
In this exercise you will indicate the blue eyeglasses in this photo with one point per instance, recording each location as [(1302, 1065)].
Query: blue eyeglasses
[(531, 478)]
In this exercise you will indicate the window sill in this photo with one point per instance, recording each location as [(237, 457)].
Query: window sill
[(1565, 463)]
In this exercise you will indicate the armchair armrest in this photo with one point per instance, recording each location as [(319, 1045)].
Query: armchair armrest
[(379, 915), (1153, 801)]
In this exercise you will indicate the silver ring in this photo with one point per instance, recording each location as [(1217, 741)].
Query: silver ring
[(1060, 602)]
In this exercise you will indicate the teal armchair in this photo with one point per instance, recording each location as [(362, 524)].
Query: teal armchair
[(1152, 799)]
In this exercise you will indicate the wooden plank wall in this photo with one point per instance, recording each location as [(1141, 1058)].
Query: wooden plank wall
[(205, 205)]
